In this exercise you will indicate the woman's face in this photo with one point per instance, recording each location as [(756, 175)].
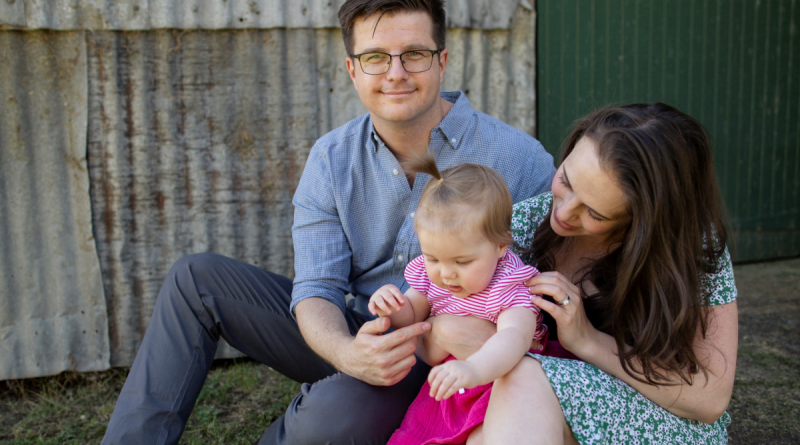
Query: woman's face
[(587, 200)]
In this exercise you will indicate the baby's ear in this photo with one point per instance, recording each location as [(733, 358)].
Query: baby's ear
[(503, 248)]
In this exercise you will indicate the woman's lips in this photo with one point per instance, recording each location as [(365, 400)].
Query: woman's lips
[(563, 225)]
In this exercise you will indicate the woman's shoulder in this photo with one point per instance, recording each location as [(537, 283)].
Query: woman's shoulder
[(720, 287), (527, 216)]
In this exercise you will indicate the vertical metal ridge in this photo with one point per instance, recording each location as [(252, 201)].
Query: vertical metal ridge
[(54, 312), (197, 140)]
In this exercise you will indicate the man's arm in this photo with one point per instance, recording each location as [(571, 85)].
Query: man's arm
[(369, 356)]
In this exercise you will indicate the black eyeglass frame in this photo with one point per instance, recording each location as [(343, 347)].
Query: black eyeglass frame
[(391, 58)]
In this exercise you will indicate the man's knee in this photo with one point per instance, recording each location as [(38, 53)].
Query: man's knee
[(195, 265), (341, 409)]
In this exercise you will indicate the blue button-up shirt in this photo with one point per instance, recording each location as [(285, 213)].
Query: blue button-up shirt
[(353, 226)]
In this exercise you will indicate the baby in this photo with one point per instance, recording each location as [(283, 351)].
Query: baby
[(463, 222)]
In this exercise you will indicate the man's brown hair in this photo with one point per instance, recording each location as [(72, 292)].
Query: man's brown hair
[(351, 10)]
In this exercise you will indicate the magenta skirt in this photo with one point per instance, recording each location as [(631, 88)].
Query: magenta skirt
[(450, 421)]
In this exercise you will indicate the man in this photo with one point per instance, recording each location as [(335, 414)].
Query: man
[(353, 232)]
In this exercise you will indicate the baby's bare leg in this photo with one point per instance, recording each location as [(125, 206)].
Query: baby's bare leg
[(524, 409), (476, 436)]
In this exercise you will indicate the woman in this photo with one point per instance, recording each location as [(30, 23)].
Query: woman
[(632, 242)]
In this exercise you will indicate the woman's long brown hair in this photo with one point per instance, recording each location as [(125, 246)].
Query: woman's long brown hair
[(649, 295)]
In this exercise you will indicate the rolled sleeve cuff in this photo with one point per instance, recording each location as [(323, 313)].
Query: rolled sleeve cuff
[(330, 293)]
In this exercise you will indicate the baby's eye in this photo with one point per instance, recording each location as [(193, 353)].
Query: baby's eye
[(463, 263), (432, 260)]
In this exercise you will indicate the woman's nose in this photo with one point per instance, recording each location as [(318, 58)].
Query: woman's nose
[(568, 208)]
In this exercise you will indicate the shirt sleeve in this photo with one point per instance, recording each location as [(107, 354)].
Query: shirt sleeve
[(519, 296), (720, 287), (525, 219), (417, 276), (322, 254)]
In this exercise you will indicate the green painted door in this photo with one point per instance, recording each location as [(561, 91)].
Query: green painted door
[(732, 64)]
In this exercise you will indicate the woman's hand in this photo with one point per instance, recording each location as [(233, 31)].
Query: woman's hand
[(575, 331)]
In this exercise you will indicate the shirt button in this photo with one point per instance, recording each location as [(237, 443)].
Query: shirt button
[(399, 257), (395, 172), (412, 215), (453, 140)]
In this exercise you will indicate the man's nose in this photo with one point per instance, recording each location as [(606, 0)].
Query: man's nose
[(396, 70)]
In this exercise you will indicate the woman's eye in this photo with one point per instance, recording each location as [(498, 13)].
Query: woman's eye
[(563, 181), (591, 215)]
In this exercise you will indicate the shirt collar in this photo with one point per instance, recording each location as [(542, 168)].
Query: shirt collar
[(453, 127)]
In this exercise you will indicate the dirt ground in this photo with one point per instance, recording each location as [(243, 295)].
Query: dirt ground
[(765, 408)]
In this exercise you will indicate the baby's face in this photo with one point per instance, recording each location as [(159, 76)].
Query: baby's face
[(460, 263)]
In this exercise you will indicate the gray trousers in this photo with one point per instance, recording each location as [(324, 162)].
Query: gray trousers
[(207, 296)]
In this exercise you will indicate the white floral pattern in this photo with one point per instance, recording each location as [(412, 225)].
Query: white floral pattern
[(602, 409)]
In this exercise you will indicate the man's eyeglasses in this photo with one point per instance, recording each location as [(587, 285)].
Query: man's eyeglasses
[(415, 61)]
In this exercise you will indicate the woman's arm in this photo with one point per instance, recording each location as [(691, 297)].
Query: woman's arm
[(461, 336), (708, 397), (704, 400), (515, 327)]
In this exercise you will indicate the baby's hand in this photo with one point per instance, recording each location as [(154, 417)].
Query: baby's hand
[(385, 299), (447, 378)]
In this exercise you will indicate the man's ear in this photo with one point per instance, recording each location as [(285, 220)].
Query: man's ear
[(442, 64), (351, 68)]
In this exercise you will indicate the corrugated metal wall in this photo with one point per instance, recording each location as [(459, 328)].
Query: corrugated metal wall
[(135, 15), (731, 64), (192, 141), (52, 310)]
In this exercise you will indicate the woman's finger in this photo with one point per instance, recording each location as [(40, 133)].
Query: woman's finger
[(551, 308), (557, 292), (553, 278)]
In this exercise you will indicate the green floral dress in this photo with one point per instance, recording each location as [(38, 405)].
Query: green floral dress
[(602, 409)]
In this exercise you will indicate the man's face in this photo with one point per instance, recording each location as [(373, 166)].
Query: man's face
[(397, 96)]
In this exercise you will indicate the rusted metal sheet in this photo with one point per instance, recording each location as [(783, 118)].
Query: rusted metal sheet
[(197, 141), (136, 148), (52, 308), (134, 15)]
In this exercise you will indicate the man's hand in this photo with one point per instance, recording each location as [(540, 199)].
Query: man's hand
[(369, 356), (378, 359)]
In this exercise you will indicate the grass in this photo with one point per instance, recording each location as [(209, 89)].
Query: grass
[(242, 398), (239, 400)]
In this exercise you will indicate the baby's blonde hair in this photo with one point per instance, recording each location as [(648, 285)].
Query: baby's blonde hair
[(478, 191)]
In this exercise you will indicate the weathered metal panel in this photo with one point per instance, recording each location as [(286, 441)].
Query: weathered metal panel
[(12, 13), (134, 15), (52, 308), (197, 141), (731, 64)]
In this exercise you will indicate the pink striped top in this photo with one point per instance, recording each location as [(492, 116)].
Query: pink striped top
[(505, 290)]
